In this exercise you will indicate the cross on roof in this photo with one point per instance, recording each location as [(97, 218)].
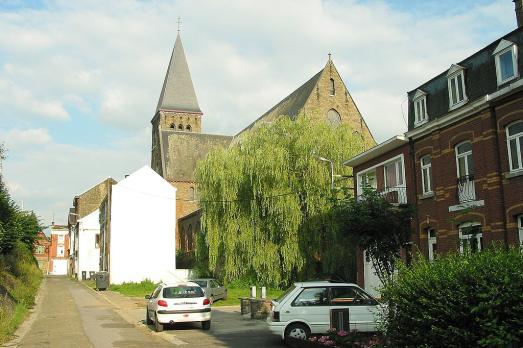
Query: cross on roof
[(179, 23)]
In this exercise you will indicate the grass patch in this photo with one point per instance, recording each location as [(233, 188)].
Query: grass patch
[(134, 289), (8, 324)]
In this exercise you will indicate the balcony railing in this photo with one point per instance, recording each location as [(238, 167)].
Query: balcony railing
[(395, 195), (466, 190)]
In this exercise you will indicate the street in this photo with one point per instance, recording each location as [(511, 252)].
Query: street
[(68, 314)]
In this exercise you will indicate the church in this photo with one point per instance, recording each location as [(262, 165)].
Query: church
[(178, 142)]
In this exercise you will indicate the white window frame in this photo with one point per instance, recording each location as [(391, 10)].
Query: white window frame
[(420, 108), (503, 47), (60, 251), (452, 79), (399, 173), (468, 237), (468, 184), (432, 240), (362, 179), (426, 175), (61, 239), (519, 150)]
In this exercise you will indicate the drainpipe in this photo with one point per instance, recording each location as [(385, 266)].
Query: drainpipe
[(415, 188), (494, 119)]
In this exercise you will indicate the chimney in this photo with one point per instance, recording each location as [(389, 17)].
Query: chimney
[(518, 7)]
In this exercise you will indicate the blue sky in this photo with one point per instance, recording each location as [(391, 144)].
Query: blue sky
[(79, 80)]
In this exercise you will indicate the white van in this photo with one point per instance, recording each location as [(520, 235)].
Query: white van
[(305, 308)]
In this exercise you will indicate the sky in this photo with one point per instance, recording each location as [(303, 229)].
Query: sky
[(80, 80)]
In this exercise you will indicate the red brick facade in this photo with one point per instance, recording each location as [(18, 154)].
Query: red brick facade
[(41, 251)]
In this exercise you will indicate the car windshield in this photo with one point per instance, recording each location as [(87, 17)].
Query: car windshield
[(182, 292), (202, 283), (288, 291)]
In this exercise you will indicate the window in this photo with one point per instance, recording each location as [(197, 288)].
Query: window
[(515, 145), (420, 108), (173, 126), (367, 180), (465, 171), (156, 292), (332, 89), (191, 193), (312, 297), (431, 235), (188, 128), (456, 84), (426, 174), (470, 237), (60, 250), (394, 174), (180, 127), (333, 118), (520, 230), (61, 239), (506, 58), (350, 296), (40, 249), (97, 240)]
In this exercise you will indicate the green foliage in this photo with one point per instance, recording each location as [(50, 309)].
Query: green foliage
[(20, 279), (378, 227), (265, 201), (141, 289), (471, 300)]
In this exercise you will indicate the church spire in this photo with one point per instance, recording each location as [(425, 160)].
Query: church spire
[(178, 91)]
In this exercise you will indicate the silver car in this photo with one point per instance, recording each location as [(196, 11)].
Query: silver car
[(213, 290)]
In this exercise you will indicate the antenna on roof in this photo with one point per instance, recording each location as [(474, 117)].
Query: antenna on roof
[(179, 23)]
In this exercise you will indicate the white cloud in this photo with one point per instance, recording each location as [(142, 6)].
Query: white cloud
[(108, 62), (16, 138)]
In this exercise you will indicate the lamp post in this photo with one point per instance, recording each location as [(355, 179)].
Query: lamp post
[(323, 159)]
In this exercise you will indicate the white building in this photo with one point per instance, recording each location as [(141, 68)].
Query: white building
[(88, 244), (137, 229), (59, 252)]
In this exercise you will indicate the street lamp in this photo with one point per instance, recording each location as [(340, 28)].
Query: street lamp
[(323, 159)]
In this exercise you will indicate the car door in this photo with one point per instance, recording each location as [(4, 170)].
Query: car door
[(218, 290), (362, 307), (311, 305)]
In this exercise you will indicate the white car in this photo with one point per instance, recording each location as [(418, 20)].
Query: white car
[(178, 302), (305, 309)]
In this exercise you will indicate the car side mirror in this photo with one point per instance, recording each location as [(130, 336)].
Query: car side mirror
[(148, 297)]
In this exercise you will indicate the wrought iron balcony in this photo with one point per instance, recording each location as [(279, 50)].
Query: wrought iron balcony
[(466, 191)]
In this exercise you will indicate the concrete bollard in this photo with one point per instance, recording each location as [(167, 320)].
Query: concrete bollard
[(253, 291), (263, 292)]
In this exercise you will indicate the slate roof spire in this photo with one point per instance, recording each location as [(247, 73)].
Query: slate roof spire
[(178, 91)]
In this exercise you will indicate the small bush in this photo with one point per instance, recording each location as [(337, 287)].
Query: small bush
[(471, 300)]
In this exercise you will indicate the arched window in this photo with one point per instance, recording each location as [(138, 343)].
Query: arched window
[(332, 89), (173, 126), (333, 118), (515, 145), (180, 127), (188, 128), (192, 196)]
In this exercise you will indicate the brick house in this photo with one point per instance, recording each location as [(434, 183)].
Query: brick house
[(460, 163), (59, 250), (41, 251)]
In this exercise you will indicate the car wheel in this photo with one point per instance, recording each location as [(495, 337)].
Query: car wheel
[(296, 331), (148, 320), (206, 325), (157, 326)]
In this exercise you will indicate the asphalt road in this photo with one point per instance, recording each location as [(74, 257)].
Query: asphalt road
[(68, 314)]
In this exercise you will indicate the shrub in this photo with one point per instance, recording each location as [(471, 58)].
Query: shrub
[(471, 300)]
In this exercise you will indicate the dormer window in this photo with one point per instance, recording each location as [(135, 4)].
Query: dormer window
[(506, 57), (456, 83), (420, 108)]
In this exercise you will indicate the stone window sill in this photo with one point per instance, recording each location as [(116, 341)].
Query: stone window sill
[(513, 174), (426, 195)]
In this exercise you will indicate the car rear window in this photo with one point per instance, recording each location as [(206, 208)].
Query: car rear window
[(182, 292), (202, 283), (288, 291)]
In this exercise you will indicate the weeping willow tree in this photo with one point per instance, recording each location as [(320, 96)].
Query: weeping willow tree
[(266, 201)]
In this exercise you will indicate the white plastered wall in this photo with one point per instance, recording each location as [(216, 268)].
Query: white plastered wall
[(143, 222), (88, 253)]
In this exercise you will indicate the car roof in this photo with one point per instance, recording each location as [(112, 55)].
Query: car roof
[(192, 280), (189, 283), (322, 283)]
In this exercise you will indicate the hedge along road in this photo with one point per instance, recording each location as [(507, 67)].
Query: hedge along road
[(69, 314)]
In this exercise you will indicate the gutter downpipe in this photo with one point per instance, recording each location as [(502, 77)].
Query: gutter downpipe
[(494, 118), (414, 178)]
